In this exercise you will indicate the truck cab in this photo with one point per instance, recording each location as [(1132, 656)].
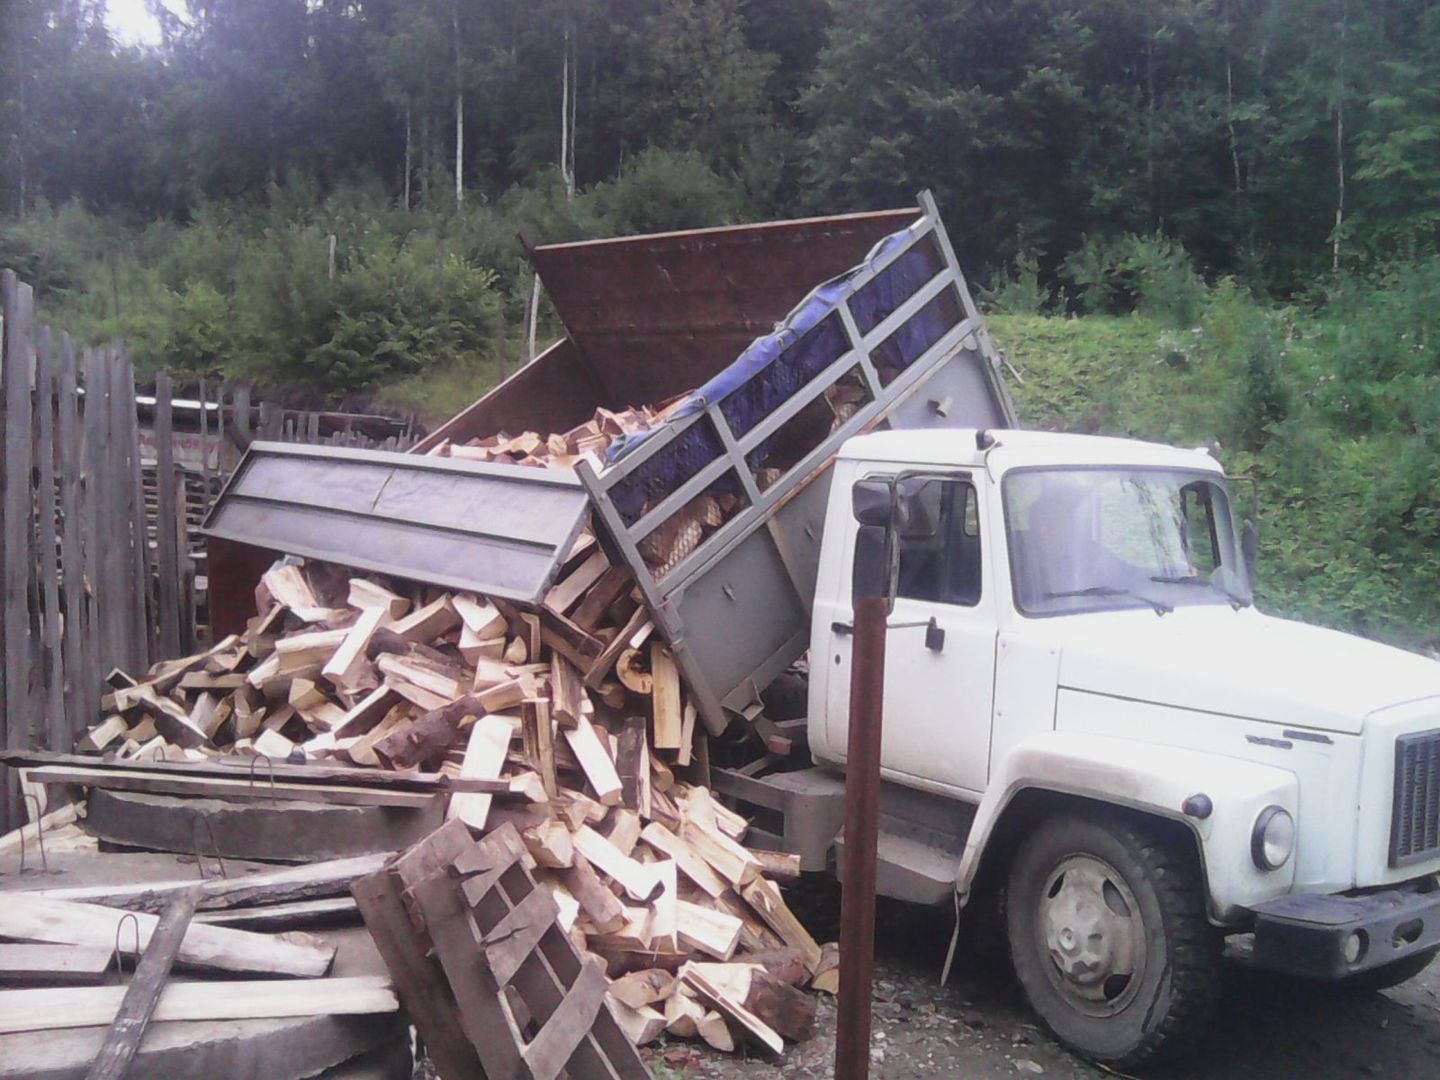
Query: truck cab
[(1087, 721)]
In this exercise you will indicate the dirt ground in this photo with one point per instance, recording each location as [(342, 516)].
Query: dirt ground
[(979, 1026)]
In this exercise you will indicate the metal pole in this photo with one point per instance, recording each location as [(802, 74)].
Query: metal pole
[(862, 811)]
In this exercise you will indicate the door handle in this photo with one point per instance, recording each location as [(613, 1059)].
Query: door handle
[(934, 633)]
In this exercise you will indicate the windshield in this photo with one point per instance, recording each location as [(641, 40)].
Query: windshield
[(1099, 539)]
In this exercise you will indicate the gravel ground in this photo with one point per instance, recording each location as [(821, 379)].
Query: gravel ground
[(979, 1026)]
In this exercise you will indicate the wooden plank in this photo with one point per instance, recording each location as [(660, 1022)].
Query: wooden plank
[(25, 917), (665, 698), (70, 965), (295, 884), (143, 992), (79, 677), (95, 417), (256, 787), (17, 303), (418, 976), (141, 645), (484, 758), (569, 1024), (54, 728), (25, 835), (168, 553), (243, 768), (255, 999)]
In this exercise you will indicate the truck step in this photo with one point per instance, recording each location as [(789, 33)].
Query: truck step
[(908, 868)]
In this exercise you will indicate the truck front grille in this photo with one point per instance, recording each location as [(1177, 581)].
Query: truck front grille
[(1415, 823)]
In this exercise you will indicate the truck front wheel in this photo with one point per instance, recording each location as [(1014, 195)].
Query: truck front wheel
[(1109, 939)]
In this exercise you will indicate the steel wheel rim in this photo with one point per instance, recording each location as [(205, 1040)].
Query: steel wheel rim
[(1091, 935)]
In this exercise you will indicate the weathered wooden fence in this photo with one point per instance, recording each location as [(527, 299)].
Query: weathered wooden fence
[(101, 562), (90, 581)]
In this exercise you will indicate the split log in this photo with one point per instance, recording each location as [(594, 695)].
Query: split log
[(484, 758), (827, 972), (733, 1010), (595, 762), (641, 988), (665, 696), (429, 737), (764, 897), (599, 904)]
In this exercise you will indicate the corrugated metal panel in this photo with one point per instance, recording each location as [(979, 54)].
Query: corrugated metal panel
[(497, 529)]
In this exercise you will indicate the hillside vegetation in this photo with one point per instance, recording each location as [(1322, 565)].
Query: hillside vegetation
[(1192, 220)]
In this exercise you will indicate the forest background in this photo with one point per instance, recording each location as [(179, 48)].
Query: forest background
[(1189, 220)]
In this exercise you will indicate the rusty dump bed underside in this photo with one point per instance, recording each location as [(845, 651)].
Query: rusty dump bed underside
[(649, 317)]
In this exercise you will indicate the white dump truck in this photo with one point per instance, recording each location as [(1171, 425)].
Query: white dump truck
[(1090, 733)]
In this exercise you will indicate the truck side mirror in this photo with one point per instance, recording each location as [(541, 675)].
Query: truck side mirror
[(1250, 548), (873, 501)]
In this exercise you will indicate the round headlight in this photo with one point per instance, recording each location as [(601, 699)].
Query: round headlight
[(1273, 840)]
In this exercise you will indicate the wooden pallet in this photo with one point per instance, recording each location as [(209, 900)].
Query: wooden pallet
[(494, 985)]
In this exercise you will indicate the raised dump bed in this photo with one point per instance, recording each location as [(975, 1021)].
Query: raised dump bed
[(718, 510)]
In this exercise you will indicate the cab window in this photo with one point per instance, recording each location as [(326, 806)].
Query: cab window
[(940, 543)]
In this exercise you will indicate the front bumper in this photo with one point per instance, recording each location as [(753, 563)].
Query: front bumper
[(1310, 935)]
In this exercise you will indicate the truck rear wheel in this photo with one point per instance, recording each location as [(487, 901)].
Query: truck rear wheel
[(1108, 936)]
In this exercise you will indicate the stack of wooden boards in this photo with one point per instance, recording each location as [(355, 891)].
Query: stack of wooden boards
[(567, 724), (63, 945)]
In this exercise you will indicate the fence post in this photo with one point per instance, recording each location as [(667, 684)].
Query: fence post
[(47, 562), (16, 301), (167, 619), (79, 702)]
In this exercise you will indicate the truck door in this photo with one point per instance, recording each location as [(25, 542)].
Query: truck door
[(939, 683)]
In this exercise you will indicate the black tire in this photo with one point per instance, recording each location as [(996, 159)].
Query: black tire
[(1392, 974), (1069, 883), (787, 698)]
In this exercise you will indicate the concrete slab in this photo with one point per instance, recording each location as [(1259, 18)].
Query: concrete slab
[(256, 828), (234, 1050), (82, 868)]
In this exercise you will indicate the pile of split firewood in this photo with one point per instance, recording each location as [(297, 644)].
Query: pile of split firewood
[(563, 449), (575, 710)]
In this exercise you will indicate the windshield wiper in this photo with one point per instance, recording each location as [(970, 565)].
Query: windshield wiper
[(1236, 600), (1161, 608)]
